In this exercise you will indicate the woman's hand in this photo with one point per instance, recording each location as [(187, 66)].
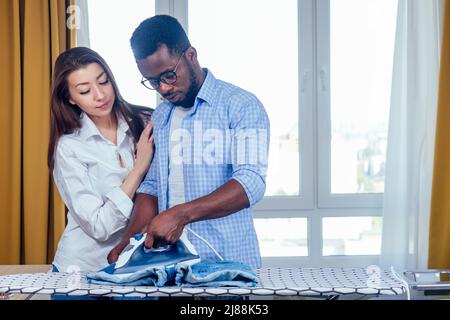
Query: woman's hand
[(144, 155), (144, 150)]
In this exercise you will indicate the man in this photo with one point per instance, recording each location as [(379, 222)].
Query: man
[(211, 142)]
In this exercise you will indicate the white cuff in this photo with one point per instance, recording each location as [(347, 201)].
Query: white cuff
[(121, 200)]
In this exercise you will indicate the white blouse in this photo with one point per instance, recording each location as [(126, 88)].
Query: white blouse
[(88, 175)]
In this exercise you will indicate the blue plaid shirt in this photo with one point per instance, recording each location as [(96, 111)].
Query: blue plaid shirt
[(235, 115)]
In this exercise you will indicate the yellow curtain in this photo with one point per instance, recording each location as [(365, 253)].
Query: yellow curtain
[(32, 215), (439, 248)]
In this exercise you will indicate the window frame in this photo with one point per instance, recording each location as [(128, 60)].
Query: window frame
[(326, 199), (306, 98), (315, 201)]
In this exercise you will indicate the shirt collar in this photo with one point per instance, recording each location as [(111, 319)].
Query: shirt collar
[(89, 129), (206, 93), (122, 125)]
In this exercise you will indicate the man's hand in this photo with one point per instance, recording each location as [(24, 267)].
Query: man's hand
[(167, 226), (145, 208), (116, 251)]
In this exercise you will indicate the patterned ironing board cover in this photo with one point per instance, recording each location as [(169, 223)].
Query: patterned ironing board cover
[(273, 282)]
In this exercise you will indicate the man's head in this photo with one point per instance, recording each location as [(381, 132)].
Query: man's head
[(166, 59)]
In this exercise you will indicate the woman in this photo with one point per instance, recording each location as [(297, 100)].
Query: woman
[(99, 151)]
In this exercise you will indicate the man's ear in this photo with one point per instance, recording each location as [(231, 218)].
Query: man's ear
[(191, 55)]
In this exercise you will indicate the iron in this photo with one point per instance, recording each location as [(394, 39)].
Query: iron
[(136, 256)]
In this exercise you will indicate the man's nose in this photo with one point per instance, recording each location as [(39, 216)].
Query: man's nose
[(164, 88)]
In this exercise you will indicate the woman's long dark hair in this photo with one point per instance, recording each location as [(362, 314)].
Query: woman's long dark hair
[(65, 117)]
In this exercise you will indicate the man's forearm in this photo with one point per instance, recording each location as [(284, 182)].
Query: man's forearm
[(145, 208), (228, 199)]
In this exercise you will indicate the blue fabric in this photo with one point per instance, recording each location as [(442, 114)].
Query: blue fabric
[(210, 273), (207, 273), (153, 276), (230, 111)]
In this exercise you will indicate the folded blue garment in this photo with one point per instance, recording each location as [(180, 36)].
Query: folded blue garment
[(206, 273), (150, 276), (212, 273)]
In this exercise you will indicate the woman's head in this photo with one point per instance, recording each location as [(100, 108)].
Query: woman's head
[(83, 82), (91, 90)]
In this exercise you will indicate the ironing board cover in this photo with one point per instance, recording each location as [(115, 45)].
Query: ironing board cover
[(273, 281)]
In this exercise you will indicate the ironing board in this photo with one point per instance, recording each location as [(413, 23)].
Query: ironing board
[(317, 282)]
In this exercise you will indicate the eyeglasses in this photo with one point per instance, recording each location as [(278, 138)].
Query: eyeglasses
[(169, 77)]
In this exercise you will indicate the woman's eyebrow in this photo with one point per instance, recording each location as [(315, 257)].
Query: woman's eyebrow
[(88, 82)]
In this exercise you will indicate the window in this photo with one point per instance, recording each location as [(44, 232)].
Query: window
[(283, 237), (351, 236), (322, 69), (245, 56), (111, 24), (360, 95), (354, 69)]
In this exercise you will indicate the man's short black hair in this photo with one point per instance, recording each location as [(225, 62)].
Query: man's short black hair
[(156, 31)]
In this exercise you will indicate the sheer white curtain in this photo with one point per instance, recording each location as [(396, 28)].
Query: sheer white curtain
[(83, 32), (409, 163)]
